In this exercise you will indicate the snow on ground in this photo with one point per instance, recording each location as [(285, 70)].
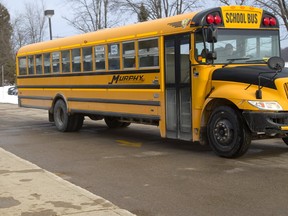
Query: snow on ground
[(5, 98)]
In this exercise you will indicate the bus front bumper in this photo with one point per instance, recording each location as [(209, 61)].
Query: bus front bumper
[(267, 122)]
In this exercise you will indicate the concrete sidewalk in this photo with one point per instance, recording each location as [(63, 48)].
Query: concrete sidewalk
[(28, 190)]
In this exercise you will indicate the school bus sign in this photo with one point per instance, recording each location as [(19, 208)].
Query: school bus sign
[(239, 17)]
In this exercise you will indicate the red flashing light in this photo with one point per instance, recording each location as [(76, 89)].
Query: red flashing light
[(273, 21), (266, 21), (210, 19), (217, 19), (269, 21)]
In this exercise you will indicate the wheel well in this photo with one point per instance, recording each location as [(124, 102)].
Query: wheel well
[(212, 105), (207, 113), (51, 110)]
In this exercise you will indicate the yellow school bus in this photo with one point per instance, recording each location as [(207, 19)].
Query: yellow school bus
[(213, 76)]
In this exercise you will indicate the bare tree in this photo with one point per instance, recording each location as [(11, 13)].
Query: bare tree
[(34, 21), (235, 2), (277, 7), (88, 15), (29, 26), (158, 8), (143, 14), (19, 36)]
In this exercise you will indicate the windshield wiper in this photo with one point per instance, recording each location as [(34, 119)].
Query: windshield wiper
[(234, 59), (257, 61)]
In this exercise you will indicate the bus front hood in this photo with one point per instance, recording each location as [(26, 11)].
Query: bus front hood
[(250, 75)]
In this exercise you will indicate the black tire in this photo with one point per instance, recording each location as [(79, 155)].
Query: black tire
[(61, 118), (285, 140), (228, 134), (113, 122), (77, 121), (65, 122)]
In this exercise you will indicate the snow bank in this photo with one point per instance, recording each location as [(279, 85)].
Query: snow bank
[(5, 98)]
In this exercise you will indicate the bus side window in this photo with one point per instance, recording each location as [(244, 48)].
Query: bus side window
[(22, 66), (31, 65), (113, 57), (47, 63), (66, 61), (129, 60), (76, 60), (87, 59), (148, 53), (39, 69), (100, 57), (56, 62)]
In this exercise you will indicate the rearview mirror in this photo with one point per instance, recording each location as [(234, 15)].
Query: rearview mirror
[(212, 35), (276, 63)]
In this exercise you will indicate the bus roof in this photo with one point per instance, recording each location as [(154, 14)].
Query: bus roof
[(152, 28), (227, 16)]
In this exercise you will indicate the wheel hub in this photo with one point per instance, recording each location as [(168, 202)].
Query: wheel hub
[(223, 132)]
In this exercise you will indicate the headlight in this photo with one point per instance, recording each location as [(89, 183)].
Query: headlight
[(266, 105)]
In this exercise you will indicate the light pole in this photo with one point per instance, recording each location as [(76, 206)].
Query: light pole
[(49, 14)]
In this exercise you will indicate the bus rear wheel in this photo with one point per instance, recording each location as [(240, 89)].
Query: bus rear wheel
[(65, 122), (227, 133)]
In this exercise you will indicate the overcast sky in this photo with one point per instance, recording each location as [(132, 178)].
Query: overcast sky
[(59, 25)]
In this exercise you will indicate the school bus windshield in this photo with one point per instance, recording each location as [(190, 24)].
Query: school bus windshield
[(240, 46)]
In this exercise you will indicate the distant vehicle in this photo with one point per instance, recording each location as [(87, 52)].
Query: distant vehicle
[(13, 90)]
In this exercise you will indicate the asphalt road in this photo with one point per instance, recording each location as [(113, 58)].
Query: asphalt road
[(137, 170)]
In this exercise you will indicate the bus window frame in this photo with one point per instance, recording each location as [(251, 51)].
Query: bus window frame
[(129, 55), (70, 66), (105, 58), (114, 57), (80, 60), (59, 62), (139, 55), (26, 66), (40, 64), (92, 58), (33, 66), (44, 54)]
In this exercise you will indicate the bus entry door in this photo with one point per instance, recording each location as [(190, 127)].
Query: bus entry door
[(178, 87)]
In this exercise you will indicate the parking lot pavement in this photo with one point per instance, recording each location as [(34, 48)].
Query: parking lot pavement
[(28, 190)]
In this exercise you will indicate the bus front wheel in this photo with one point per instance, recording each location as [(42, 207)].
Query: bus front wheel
[(227, 133)]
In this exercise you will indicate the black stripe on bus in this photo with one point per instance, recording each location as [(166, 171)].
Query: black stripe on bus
[(130, 102), (93, 73), (123, 115), (35, 107), (35, 97), (111, 86)]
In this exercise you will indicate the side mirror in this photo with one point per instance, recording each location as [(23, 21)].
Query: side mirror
[(212, 35), (276, 63)]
